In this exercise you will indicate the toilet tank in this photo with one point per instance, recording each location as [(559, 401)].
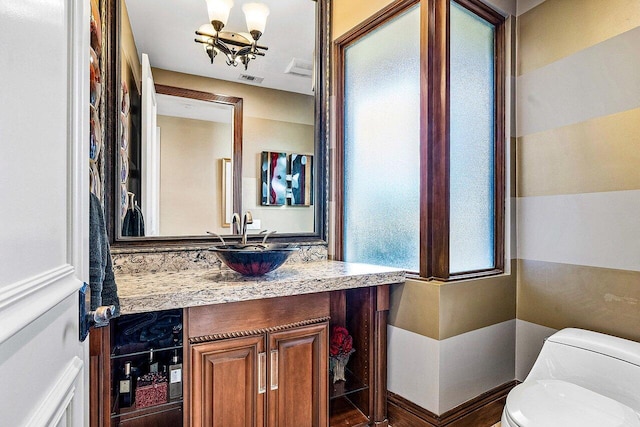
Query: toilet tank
[(601, 363)]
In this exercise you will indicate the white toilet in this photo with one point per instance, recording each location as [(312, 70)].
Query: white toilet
[(580, 379)]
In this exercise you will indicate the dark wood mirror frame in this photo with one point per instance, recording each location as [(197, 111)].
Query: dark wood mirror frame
[(321, 135)]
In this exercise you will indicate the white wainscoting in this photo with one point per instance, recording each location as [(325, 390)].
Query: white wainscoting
[(529, 340), (440, 375), (412, 367)]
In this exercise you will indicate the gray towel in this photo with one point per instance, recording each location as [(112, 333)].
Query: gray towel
[(101, 279), (133, 224)]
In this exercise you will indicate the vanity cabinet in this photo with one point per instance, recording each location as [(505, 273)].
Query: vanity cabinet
[(273, 379), (260, 363)]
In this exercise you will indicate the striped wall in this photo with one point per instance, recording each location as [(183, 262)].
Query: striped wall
[(578, 170), (575, 241), (451, 342)]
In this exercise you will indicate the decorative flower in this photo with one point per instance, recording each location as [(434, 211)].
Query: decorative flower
[(341, 342)]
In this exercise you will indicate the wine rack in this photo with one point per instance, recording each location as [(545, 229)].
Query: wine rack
[(135, 339)]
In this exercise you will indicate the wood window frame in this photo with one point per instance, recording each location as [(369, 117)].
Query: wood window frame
[(434, 132)]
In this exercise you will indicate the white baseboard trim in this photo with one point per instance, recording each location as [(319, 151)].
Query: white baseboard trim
[(24, 301), (58, 401)]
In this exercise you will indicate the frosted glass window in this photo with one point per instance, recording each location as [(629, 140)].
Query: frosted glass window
[(382, 145), (472, 124)]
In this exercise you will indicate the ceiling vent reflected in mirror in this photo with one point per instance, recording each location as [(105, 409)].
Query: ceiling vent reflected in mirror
[(250, 79), (299, 67)]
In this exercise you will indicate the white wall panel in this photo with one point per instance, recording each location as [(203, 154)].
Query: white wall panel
[(597, 81), (529, 340), (475, 362), (413, 361), (594, 229), (440, 375)]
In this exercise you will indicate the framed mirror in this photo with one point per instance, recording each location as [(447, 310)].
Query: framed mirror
[(193, 138)]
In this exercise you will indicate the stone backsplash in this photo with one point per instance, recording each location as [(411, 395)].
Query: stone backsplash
[(161, 259)]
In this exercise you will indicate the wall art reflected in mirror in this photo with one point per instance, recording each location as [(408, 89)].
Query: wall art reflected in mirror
[(191, 127), (286, 179)]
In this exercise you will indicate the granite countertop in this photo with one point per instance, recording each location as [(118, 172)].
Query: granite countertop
[(144, 292)]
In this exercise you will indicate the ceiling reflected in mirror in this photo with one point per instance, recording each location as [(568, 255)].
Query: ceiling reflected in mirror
[(166, 33)]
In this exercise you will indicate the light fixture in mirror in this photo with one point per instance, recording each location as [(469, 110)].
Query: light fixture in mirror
[(238, 48), (283, 113)]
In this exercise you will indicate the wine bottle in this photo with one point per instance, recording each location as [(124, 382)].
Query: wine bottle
[(125, 388), (175, 377), (153, 363)]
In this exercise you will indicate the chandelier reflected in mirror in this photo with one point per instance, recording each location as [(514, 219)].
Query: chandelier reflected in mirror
[(238, 48)]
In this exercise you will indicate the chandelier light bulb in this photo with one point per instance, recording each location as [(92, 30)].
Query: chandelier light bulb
[(219, 10), (256, 16)]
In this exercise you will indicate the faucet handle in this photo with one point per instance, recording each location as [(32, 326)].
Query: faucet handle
[(235, 222), (248, 218), (266, 235)]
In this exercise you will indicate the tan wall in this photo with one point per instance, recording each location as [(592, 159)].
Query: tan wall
[(349, 13), (579, 165), (443, 310), (561, 295), (128, 51), (191, 176), (559, 28)]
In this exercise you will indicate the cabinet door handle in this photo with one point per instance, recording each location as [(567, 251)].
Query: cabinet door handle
[(262, 372), (274, 369)]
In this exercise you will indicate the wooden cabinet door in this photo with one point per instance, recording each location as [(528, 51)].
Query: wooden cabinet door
[(228, 383), (298, 380)]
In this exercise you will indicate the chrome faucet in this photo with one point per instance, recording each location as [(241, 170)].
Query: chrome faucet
[(242, 227)]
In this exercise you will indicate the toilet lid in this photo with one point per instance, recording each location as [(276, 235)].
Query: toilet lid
[(555, 403)]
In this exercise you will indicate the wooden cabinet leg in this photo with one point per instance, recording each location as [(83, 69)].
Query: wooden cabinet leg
[(380, 397), (380, 370), (99, 378)]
